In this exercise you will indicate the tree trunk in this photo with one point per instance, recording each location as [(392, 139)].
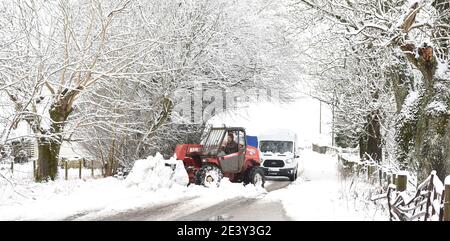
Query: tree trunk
[(370, 141), (47, 160), (401, 81), (49, 147), (374, 148), (363, 146), (430, 128), (402, 84), (404, 137), (111, 163), (432, 139)]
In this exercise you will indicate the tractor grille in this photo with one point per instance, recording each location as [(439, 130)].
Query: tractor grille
[(274, 163)]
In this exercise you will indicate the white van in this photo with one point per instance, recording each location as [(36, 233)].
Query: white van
[(279, 153)]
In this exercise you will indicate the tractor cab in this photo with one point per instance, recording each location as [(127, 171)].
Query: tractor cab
[(225, 147), (223, 141), (222, 151)]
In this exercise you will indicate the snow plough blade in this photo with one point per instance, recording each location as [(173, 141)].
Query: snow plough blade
[(189, 155)]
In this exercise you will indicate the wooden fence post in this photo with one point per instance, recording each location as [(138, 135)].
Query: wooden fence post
[(92, 168), (447, 199), (66, 172), (12, 167), (79, 172), (402, 181)]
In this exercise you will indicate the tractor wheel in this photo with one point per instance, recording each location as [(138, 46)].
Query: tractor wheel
[(209, 176), (254, 175)]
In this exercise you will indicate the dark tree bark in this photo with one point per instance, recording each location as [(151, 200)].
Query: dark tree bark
[(47, 160), (49, 147), (430, 131), (374, 138), (402, 84), (425, 137), (401, 81), (363, 146), (432, 140)]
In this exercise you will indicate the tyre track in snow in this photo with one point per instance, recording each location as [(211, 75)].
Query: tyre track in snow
[(243, 209), (160, 210), (238, 208)]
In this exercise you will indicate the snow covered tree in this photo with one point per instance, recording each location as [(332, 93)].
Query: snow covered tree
[(212, 45), (108, 72), (58, 50), (412, 39), (348, 79)]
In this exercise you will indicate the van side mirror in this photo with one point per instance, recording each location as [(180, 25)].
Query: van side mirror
[(297, 156)]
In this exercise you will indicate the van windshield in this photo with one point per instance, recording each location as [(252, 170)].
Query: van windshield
[(276, 146)]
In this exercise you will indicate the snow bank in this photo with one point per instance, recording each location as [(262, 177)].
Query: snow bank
[(321, 194), (152, 174), (447, 180)]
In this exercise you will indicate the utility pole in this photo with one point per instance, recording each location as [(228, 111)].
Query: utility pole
[(320, 117), (332, 126)]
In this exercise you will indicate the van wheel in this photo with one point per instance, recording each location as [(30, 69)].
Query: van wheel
[(255, 176), (293, 177)]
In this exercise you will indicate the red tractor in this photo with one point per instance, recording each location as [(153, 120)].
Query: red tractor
[(223, 153)]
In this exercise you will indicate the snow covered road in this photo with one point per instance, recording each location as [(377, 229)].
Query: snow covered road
[(319, 194), (193, 209), (323, 194)]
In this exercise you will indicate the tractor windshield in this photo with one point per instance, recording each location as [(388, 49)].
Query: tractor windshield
[(213, 141)]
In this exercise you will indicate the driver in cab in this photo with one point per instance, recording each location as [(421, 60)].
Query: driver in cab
[(231, 146)]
